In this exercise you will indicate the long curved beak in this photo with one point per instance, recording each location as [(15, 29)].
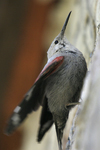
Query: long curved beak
[(65, 24)]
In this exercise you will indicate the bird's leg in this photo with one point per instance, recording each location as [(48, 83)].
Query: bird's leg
[(72, 104)]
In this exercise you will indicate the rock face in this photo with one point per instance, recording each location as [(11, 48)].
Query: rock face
[(86, 129)]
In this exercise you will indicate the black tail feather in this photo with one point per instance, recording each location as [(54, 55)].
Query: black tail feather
[(59, 133)]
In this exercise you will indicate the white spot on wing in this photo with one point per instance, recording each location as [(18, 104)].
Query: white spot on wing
[(17, 109), (15, 119)]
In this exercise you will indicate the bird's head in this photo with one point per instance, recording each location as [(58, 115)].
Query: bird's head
[(60, 43)]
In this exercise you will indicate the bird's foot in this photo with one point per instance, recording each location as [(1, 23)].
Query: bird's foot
[(70, 105)]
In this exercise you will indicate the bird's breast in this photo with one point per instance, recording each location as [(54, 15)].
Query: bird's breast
[(63, 84)]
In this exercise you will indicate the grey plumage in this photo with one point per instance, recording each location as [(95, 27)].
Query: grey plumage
[(57, 88), (64, 86)]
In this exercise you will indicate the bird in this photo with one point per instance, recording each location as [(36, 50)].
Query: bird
[(57, 88)]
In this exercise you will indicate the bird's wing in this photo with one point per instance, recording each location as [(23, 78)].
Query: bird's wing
[(34, 97), (46, 120)]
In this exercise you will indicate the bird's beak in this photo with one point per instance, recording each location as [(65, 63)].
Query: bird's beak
[(65, 24)]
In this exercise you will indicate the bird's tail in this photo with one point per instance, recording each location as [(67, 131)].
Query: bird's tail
[(59, 133), (60, 123)]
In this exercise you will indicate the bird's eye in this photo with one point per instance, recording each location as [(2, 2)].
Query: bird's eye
[(56, 41)]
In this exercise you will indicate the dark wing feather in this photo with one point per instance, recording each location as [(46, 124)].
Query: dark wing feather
[(46, 120), (34, 97)]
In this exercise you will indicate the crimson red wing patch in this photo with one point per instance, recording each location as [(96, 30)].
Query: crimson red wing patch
[(51, 67)]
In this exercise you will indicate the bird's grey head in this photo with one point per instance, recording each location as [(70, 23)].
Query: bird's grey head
[(60, 43)]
